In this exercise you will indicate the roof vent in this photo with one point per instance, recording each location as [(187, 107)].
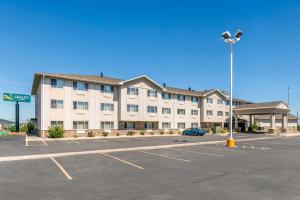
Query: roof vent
[(189, 88), (101, 74), (164, 85)]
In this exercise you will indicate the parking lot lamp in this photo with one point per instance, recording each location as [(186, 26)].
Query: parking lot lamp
[(227, 38)]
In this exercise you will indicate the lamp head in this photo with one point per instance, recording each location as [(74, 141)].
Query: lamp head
[(226, 35), (238, 34)]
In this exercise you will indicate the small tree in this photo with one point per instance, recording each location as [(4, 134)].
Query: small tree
[(56, 132)]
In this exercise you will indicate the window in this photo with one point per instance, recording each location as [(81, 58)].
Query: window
[(107, 107), (152, 109), (149, 125), (57, 83), (227, 103), (80, 86), (166, 110), (132, 108), (220, 101), (194, 112), (57, 103), (80, 105), (132, 91), (107, 125), (166, 96), (80, 125), (152, 93), (107, 89), (129, 125), (181, 98), (209, 112), (57, 123), (166, 125), (220, 113), (194, 125), (181, 112), (194, 99), (181, 125), (209, 100), (227, 114)]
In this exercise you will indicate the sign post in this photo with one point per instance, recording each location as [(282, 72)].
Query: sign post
[(17, 98)]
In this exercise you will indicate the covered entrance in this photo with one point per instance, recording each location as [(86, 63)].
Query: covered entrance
[(272, 109)]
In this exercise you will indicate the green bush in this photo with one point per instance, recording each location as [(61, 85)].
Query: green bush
[(130, 133), (254, 127), (142, 133), (23, 128), (104, 133), (30, 127), (56, 132), (12, 128), (161, 132), (298, 128), (91, 134)]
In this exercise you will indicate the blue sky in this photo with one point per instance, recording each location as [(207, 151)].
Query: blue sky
[(176, 42)]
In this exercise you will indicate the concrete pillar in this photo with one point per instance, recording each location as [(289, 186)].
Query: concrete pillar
[(273, 121), (251, 118), (236, 125), (284, 121)]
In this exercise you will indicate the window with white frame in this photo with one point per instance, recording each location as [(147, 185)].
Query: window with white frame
[(227, 114), (166, 125), (80, 125), (57, 103), (194, 112), (209, 113), (152, 93), (107, 89), (220, 101), (166, 96), (149, 125), (220, 113), (181, 97), (80, 105), (194, 125), (107, 107), (57, 123), (209, 100), (80, 86), (129, 125), (194, 99), (181, 111), (166, 111), (57, 83), (132, 91), (132, 108), (181, 125), (107, 125), (152, 109)]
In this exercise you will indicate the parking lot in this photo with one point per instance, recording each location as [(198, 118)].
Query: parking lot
[(158, 168)]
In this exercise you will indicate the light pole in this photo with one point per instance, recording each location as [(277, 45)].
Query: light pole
[(227, 38)]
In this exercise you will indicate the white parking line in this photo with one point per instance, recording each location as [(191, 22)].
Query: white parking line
[(43, 141), (141, 138), (197, 152), (124, 161), (61, 168), (74, 141), (165, 156), (224, 149)]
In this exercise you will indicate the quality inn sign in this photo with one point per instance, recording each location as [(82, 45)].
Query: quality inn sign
[(16, 97)]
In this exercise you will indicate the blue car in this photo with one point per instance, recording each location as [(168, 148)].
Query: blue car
[(194, 131)]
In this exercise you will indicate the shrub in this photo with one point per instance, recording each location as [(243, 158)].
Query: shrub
[(130, 133), (117, 134), (171, 132), (56, 132), (104, 133), (298, 128), (223, 130), (91, 134), (12, 128), (142, 133), (161, 132), (254, 127), (30, 127), (75, 135), (23, 128), (152, 133)]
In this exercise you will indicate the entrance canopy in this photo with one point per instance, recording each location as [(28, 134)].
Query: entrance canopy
[(275, 107)]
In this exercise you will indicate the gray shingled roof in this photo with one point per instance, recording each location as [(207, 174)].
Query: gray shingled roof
[(272, 104)]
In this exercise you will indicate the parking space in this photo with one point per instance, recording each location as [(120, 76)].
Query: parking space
[(184, 170)]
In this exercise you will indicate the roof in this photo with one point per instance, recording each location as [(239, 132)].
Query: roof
[(277, 116), (182, 91), (84, 78), (273, 104), (145, 77)]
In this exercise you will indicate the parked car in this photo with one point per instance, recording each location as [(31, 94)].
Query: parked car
[(194, 131)]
